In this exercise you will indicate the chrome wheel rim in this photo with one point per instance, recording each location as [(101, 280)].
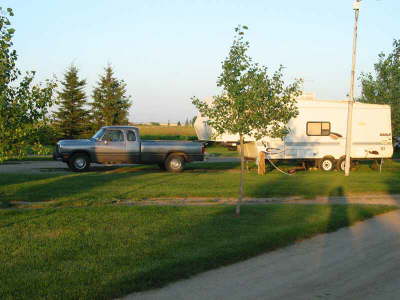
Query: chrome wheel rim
[(343, 165), (80, 163), (327, 165), (176, 163)]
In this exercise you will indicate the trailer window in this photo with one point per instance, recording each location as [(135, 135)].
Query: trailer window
[(318, 128)]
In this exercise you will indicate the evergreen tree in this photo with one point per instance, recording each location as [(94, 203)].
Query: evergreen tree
[(110, 104), (187, 122), (179, 123), (71, 117)]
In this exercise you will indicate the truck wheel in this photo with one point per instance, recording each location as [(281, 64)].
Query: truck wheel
[(175, 163), (79, 162), (162, 166), (327, 164)]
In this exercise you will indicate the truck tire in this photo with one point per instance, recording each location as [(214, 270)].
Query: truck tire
[(327, 164), (162, 166), (79, 162), (174, 163)]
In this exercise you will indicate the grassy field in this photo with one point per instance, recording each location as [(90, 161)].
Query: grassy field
[(106, 252), (199, 180), (148, 132)]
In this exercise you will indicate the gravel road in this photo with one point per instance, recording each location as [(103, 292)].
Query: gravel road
[(60, 167), (358, 262)]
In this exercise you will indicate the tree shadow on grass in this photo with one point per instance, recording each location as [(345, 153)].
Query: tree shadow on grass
[(259, 229), (64, 186)]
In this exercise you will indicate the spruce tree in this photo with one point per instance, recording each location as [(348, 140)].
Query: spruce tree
[(71, 117), (110, 104)]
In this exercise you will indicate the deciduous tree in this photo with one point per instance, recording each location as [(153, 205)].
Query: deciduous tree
[(253, 103), (23, 104), (383, 87)]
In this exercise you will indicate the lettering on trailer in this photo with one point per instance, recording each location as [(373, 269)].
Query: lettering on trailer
[(385, 134)]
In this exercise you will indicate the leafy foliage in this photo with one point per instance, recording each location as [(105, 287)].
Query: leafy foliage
[(110, 104), (23, 104), (253, 103), (72, 117), (384, 87)]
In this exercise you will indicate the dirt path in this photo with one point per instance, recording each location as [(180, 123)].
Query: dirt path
[(358, 262), (382, 199)]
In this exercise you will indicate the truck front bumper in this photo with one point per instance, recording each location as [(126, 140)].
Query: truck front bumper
[(60, 157)]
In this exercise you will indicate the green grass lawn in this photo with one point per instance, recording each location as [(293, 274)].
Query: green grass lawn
[(199, 180), (220, 151), (106, 252)]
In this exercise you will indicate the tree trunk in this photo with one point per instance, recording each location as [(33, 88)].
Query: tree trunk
[(240, 199)]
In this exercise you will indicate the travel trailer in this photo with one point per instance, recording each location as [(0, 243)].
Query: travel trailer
[(318, 134)]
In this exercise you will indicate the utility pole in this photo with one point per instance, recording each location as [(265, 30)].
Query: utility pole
[(356, 8)]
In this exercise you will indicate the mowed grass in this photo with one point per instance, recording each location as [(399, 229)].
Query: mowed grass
[(221, 151), (219, 180), (106, 252)]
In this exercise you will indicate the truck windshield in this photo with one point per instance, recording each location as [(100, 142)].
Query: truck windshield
[(98, 134)]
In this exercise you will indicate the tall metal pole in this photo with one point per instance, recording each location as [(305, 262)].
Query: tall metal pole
[(356, 7)]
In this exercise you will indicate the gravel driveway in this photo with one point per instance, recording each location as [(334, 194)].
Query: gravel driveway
[(60, 167)]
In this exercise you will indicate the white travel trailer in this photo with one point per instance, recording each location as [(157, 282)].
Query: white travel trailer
[(318, 134)]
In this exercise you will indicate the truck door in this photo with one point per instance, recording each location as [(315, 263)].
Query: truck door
[(132, 146), (111, 148)]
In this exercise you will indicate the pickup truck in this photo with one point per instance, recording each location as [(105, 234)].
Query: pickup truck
[(122, 144)]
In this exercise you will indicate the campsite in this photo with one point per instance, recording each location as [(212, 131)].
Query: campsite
[(199, 150)]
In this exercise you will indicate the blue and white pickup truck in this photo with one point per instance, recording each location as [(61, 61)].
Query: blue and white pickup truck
[(122, 144)]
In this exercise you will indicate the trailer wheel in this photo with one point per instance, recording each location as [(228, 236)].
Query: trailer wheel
[(174, 163), (341, 164), (327, 164)]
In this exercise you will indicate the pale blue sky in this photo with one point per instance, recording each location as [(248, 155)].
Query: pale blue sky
[(169, 51)]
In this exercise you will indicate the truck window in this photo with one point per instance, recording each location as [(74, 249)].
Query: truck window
[(113, 136), (318, 128), (131, 136)]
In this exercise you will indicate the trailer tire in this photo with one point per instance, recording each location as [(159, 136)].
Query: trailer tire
[(174, 163), (340, 165), (327, 164)]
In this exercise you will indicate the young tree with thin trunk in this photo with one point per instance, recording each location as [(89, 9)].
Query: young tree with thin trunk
[(72, 117), (111, 103), (253, 103)]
